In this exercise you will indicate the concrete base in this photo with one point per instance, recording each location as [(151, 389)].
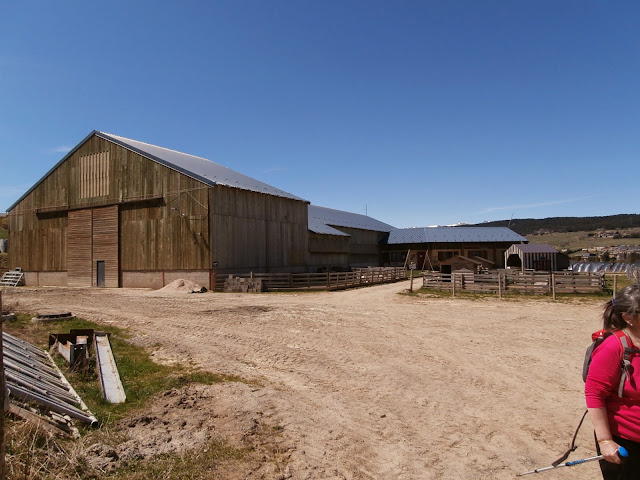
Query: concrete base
[(45, 279), (157, 280)]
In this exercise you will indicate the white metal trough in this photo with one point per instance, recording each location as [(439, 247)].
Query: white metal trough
[(110, 382)]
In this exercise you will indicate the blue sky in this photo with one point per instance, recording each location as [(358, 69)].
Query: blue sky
[(415, 112)]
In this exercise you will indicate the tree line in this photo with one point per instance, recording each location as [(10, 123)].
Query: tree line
[(528, 226)]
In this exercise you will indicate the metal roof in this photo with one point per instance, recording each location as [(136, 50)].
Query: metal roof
[(536, 248), (453, 235), (199, 168), (320, 218), (316, 226)]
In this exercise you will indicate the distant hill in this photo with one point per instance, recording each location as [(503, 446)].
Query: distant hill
[(528, 226)]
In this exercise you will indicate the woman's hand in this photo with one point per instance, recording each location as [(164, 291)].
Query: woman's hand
[(609, 449)]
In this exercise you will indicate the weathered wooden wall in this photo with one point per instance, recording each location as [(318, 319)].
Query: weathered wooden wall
[(326, 251), (253, 231), (364, 247), (163, 213)]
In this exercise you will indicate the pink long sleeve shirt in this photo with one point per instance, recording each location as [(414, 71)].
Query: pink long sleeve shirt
[(601, 389)]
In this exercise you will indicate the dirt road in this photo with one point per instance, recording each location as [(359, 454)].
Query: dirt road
[(370, 384)]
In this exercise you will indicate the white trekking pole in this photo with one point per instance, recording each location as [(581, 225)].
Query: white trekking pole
[(622, 452)]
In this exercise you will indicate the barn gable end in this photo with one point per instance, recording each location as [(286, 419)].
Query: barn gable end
[(111, 214)]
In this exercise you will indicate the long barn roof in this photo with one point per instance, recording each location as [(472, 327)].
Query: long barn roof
[(322, 220), (199, 168), (453, 235)]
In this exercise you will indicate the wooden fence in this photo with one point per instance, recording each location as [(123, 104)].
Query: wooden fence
[(320, 281), (523, 282)]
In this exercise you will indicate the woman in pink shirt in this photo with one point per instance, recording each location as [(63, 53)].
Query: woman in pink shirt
[(616, 419)]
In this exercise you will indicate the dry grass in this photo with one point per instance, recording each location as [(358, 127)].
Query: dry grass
[(32, 453)]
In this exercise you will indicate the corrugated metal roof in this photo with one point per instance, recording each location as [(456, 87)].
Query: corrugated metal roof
[(536, 248), (199, 168), (337, 218), (453, 235), (316, 226)]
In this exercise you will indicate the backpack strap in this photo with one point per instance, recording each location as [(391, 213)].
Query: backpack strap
[(625, 362)]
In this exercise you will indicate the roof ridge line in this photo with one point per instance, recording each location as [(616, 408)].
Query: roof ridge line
[(163, 148)]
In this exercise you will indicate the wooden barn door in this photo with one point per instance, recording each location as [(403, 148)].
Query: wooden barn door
[(105, 245), (79, 248), (93, 247)]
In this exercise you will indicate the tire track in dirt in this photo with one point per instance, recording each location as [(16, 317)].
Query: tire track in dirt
[(369, 384)]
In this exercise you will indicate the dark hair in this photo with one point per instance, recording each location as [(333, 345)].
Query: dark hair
[(626, 301)]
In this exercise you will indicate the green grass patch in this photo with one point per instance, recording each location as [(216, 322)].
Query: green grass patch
[(507, 295), (621, 282), (142, 378)]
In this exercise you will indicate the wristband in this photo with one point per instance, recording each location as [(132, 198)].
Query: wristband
[(606, 440)]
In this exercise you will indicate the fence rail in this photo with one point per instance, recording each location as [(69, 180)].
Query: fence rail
[(525, 282), (320, 281)]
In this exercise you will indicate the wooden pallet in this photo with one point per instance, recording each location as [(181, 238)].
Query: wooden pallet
[(12, 278)]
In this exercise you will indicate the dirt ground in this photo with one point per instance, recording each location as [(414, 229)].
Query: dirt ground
[(365, 383)]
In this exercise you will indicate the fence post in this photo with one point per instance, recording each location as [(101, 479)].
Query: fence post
[(411, 277), (500, 284), (553, 285), (453, 284)]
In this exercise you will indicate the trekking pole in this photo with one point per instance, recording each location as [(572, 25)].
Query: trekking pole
[(622, 452)]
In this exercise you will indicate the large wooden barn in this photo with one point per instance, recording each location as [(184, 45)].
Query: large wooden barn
[(427, 247), (116, 212)]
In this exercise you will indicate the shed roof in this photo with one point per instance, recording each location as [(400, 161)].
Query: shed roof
[(320, 218), (317, 226), (535, 248), (199, 168), (453, 235)]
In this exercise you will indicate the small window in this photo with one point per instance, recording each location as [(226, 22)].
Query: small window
[(398, 257)]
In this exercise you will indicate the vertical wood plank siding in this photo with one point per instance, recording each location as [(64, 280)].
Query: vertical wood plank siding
[(253, 231), (79, 253), (94, 175), (105, 244), (363, 246)]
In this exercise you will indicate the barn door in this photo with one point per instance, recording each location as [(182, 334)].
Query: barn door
[(92, 243), (79, 248), (105, 244)]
